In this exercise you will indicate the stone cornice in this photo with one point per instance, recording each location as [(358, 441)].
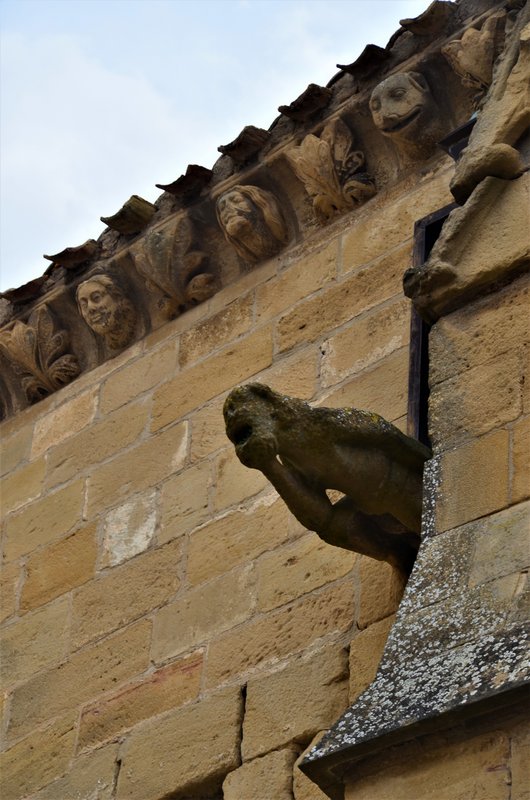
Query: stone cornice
[(326, 155)]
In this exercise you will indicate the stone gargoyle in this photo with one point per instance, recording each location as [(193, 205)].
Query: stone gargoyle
[(305, 451)]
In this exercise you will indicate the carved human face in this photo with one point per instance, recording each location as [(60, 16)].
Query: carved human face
[(235, 212), (98, 307), (397, 104)]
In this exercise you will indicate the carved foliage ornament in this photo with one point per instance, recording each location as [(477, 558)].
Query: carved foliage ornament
[(331, 170), (252, 222), (168, 260), (38, 353)]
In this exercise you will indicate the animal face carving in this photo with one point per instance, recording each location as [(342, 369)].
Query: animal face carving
[(404, 110), (250, 419)]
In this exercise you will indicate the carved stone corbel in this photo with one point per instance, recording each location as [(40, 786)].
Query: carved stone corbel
[(472, 56), (169, 261), (331, 170), (252, 222), (38, 353), (105, 307), (404, 111)]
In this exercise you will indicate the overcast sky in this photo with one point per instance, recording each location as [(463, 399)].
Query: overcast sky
[(102, 99)]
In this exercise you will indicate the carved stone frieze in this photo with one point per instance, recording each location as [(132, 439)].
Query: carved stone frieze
[(107, 310), (252, 221), (404, 110), (179, 257), (170, 261), (38, 353), (303, 451), (331, 170)]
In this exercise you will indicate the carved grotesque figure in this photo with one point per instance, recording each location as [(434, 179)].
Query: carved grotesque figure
[(107, 310), (304, 451), (252, 222), (404, 110)]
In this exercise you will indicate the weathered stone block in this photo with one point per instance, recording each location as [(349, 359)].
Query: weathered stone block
[(262, 779), (206, 738), (385, 224), (272, 637), (144, 466), (520, 751), (185, 501), (167, 688), (37, 759), (298, 568), (296, 282), (66, 420), (91, 777), (15, 449), (34, 642), (96, 443), (138, 377), (9, 580), (88, 673), (339, 303), (521, 460), (382, 388), (225, 326), (22, 486), (197, 384), (475, 480), (475, 402), (480, 331), (501, 544), (129, 529), (477, 768), (369, 339), (59, 567), (235, 483), (202, 613), (296, 376), (303, 788), (292, 704), (207, 430), (366, 650), (382, 588), (125, 593), (237, 538)]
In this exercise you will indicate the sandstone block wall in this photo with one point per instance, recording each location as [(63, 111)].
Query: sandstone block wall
[(169, 628), (479, 414)]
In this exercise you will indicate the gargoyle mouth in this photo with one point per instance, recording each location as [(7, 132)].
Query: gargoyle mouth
[(240, 434), (403, 123)]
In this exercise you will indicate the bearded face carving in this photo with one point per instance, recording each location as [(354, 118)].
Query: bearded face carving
[(404, 110), (106, 310), (252, 222)]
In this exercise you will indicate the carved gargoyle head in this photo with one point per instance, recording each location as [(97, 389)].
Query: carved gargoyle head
[(107, 310), (404, 110), (251, 413), (252, 222)]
